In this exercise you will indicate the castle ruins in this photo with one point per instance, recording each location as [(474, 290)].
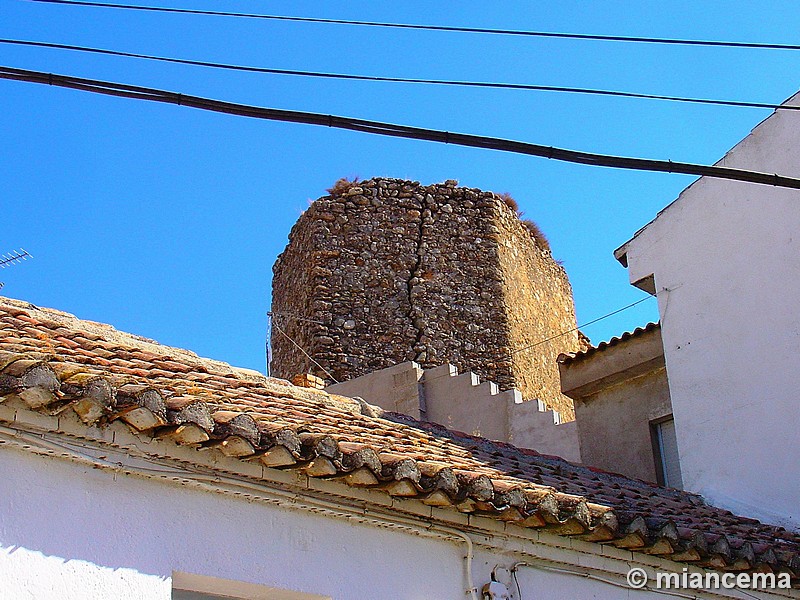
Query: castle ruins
[(385, 271)]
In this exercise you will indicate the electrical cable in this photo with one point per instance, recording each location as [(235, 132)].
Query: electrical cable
[(516, 582), (592, 322), (294, 317), (445, 28), (299, 347), (471, 590), (412, 80), (402, 131)]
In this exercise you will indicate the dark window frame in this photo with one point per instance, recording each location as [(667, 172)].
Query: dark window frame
[(656, 440)]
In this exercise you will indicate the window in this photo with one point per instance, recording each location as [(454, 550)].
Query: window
[(188, 595), (199, 587), (665, 451)]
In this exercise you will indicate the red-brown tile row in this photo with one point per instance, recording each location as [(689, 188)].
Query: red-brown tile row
[(54, 362)]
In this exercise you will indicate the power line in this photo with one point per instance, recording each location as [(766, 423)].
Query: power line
[(402, 131), (592, 322), (447, 28), (444, 82)]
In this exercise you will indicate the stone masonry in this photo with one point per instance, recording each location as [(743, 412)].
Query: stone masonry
[(386, 271)]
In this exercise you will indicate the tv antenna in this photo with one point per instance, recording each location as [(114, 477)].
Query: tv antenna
[(12, 258)]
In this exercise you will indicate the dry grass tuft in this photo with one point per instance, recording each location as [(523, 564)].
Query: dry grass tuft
[(510, 202), (342, 185), (537, 234)]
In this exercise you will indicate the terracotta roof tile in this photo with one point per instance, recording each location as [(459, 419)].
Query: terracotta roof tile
[(614, 341), (53, 361)]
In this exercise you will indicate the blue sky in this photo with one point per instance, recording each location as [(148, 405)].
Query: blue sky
[(165, 221)]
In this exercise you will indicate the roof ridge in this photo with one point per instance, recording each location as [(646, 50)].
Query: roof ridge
[(132, 341), (566, 358), (57, 365)]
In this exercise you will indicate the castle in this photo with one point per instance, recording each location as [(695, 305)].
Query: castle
[(385, 271)]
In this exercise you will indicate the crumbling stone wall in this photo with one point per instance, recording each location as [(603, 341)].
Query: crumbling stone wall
[(539, 296), (384, 271)]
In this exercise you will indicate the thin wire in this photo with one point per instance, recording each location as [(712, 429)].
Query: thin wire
[(592, 322), (414, 80), (516, 581), (324, 370), (484, 30), (294, 317), (402, 131), (267, 346)]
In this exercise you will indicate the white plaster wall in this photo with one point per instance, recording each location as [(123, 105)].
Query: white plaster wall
[(533, 428), (726, 260), (68, 532), (614, 424), (396, 388), (72, 532), (464, 402)]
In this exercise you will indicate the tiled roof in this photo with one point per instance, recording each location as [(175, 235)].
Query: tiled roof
[(573, 357), (55, 362)]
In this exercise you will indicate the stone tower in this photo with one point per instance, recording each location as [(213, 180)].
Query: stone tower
[(385, 271)]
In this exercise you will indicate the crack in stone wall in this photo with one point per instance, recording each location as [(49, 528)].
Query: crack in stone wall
[(397, 271), (415, 318)]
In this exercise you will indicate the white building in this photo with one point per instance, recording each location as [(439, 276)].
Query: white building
[(134, 470), (724, 260)]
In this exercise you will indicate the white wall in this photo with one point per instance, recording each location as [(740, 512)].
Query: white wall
[(77, 533), (70, 532), (726, 261)]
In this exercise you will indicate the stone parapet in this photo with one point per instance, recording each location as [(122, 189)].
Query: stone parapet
[(464, 402)]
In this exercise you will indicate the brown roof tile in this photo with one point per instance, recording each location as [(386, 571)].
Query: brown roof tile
[(614, 341), (54, 361)]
